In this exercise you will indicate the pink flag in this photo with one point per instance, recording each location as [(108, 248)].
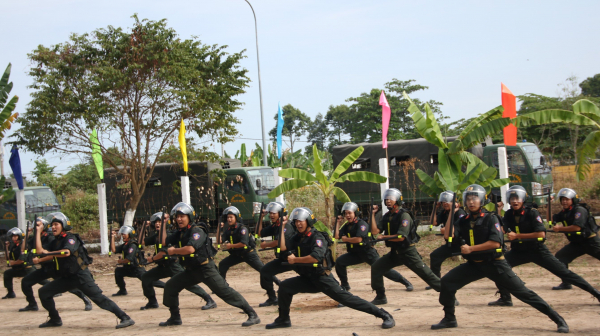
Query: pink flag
[(386, 113)]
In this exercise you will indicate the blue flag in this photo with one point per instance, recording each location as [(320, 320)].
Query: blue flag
[(15, 165), (279, 130)]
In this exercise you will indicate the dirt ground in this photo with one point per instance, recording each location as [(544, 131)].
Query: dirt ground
[(414, 312)]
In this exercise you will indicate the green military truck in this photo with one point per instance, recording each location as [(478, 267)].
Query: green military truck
[(213, 187), (39, 201), (527, 166)]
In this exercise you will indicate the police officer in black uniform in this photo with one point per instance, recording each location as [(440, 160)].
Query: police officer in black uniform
[(235, 239), (277, 212), (166, 268), (581, 230), (195, 249), (71, 271), (481, 238), (398, 222), (129, 264), (19, 267), (357, 235), (309, 251), (439, 255), (523, 222), (40, 276)]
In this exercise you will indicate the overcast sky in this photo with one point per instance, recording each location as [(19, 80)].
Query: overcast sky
[(318, 53)]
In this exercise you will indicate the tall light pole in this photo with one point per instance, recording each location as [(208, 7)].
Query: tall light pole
[(262, 115)]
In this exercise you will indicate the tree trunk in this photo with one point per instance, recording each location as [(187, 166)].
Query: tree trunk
[(129, 215)]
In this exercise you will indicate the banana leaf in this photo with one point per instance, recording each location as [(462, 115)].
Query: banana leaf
[(340, 195), (361, 176), (479, 134), (295, 173), (553, 116), (587, 150), (347, 162), (447, 169), (288, 186), (319, 168)]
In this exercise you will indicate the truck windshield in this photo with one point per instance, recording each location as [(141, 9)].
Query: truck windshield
[(535, 156), (40, 198), (262, 180)]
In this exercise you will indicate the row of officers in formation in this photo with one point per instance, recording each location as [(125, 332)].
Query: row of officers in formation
[(186, 256)]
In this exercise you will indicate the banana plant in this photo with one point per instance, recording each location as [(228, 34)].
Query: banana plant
[(6, 115), (585, 113), (299, 178), (453, 157)]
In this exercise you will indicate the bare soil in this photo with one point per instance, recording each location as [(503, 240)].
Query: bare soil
[(312, 314)]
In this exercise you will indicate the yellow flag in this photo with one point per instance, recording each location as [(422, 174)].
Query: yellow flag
[(182, 145)]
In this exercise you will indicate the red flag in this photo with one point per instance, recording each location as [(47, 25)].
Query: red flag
[(386, 113), (509, 102)]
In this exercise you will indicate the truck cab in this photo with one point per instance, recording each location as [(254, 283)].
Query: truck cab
[(527, 167), (39, 201), (245, 185)]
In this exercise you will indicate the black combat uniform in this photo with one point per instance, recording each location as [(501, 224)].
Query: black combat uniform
[(475, 229), (167, 267), (129, 251), (528, 220), (71, 272), (40, 276), (440, 254), (240, 234), (585, 241), (16, 271), (401, 253), (317, 279), (363, 252), (269, 271), (199, 267)]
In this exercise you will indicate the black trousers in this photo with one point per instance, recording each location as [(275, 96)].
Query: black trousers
[(317, 284), (408, 257), (11, 273), (367, 255), (209, 275), (572, 251), (83, 281), (439, 255), (269, 271), (132, 272), (251, 258), (544, 258), (150, 277), (498, 271), (40, 276)]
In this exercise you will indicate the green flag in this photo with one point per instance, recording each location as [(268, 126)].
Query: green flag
[(97, 153)]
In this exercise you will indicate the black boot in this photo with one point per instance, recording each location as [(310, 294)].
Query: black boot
[(380, 299), (175, 318), (280, 323), (152, 304), (9, 295), (210, 304), (405, 282), (505, 300), (88, 304), (388, 319), (562, 286), (30, 307), (445, 323), (428, 288), (126, 321), (271, 301), (561, 325), (121, 292), (252, 318), (52, 322), (596, 294)]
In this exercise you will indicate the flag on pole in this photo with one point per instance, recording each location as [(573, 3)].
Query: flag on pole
[(386, 113), (15, 165), (97, 153), (509, 102), (279, 130), (182, 146)]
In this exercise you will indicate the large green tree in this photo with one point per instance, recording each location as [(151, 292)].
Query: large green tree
[(365, 112), (134, 86)]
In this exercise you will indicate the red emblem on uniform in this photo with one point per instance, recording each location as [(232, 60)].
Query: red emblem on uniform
[(539, 219), (405, 222), (498, 227), (319, 242), (577, 215), (243, 231), (363, 228), (72, 241), (131, 250), (196, 236)]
